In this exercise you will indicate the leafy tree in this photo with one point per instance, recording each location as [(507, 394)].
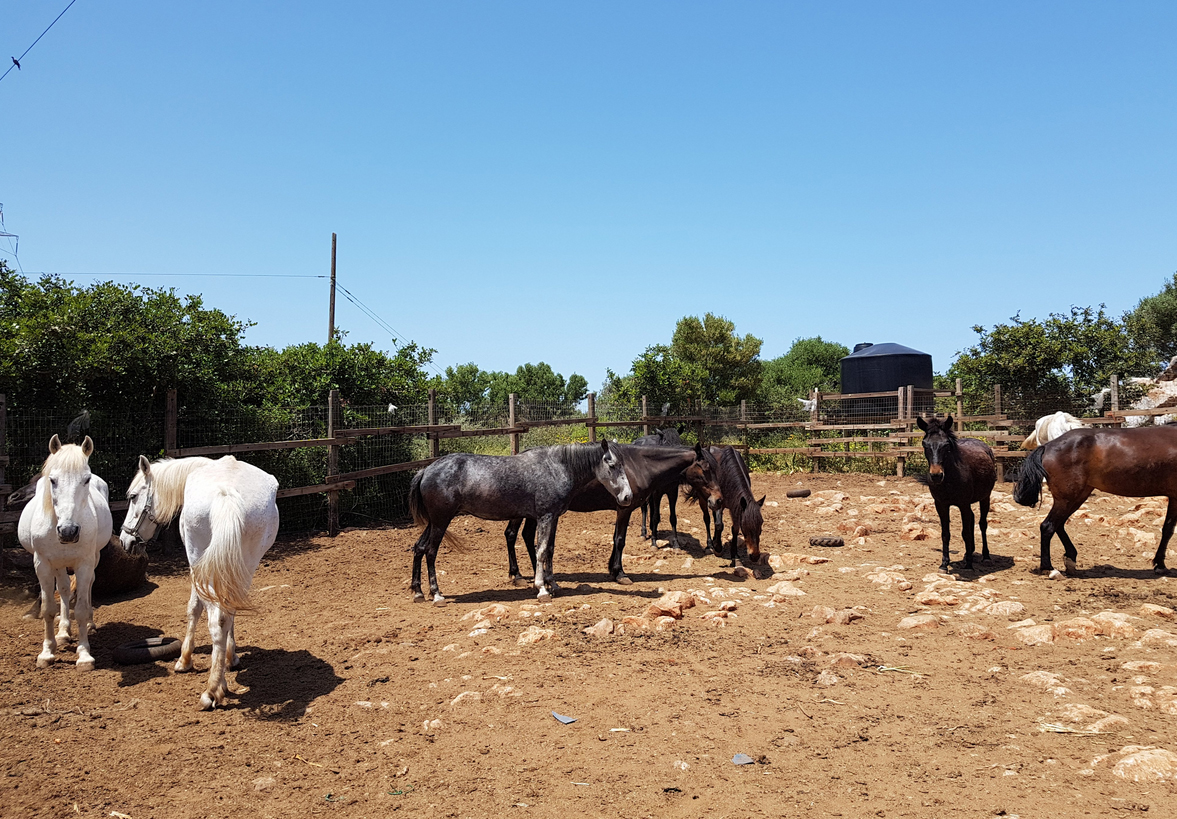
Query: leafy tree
[(1067, 354), (1152, 324), (112, 346), (656, 374), (472, 389), (466, 386), (809, 363), (725, 366)]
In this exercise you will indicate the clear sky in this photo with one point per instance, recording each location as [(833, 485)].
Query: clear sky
[(517, 182)]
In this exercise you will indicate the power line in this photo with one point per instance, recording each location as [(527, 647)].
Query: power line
[(16, 60), (218, 275), (384, 325)]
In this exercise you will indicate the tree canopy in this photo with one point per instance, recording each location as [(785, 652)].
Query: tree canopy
[(1152, 324), (472, 389), (810, 363)]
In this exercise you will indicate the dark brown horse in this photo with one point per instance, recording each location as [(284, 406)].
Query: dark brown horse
[(961, 472), (736, 485), (661, 437), (1134, 463)]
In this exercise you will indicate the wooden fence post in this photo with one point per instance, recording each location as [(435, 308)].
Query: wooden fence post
[(910, 414), (1115, 385), (645, 412), (744, 422), (901, 404), (959, 402), (332, 464), (511, 423), (434, 440), (592, 416), (171, 424), (997, 399)]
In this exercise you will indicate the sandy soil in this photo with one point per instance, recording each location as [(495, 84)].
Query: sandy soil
[(352, 700)]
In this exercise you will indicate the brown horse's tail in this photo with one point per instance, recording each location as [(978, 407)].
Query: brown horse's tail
[(1029, 486)]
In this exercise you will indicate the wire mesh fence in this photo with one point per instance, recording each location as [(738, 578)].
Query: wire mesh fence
[(835, 433)]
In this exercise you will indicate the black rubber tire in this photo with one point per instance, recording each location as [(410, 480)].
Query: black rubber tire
[(797, 493), (147, 651), (826, 541)]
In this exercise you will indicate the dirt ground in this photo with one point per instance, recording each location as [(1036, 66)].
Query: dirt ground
[(352, 700)]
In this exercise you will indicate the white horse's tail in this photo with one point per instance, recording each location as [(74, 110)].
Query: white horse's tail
[(220, 575)]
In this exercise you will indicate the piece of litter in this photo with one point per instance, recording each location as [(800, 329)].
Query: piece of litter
[(118, 815), (1055, 728), (742, 759), (902, 669), (580, 783), (307, 761), (563, 719), (619, 730)]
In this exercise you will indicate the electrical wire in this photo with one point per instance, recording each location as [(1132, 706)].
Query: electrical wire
[(384, 325), (218, 275), (16, 60)]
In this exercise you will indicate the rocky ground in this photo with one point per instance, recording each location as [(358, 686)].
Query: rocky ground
[(851, 681)]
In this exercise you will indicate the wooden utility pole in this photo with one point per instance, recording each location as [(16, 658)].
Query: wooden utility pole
[(171, 424), (331, 313), (332, 463), (645, 412), (592, 416), (511, 423), (959, 403)]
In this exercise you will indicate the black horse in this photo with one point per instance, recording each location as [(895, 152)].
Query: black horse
[(653, 507), (539, 484), (961, 472), (647, 468), (735, 483)]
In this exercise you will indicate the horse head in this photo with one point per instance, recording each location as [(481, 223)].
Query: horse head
[(751, 525), (703, 478), (939, 446), (610, 471), (140, 524), (67, 470)]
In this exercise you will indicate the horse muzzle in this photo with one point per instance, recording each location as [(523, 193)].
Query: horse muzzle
[(714, 503), (68, 533)]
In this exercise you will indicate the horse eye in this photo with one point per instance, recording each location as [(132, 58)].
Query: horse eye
[(53, 481), (87, 480)]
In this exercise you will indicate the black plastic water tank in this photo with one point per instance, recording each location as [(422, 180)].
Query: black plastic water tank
[(885, 367)]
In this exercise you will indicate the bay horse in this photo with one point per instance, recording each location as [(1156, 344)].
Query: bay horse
[(228, 520), (736, 486), (961, 472), (65, 527), (539, 483), (653, 506), (647, 468), (1134, 463)]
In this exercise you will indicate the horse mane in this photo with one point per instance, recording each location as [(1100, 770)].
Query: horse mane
[(69, 458), (168, 478)]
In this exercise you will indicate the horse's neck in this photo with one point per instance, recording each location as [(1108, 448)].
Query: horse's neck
[(659, 467)]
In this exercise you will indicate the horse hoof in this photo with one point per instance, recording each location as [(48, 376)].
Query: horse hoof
[(1055, 574), (1071, 568), (206, 702), (1160, 571), (181, 667), (521, 582), (623, 580), (85, 665), (543, 596), (418, 597), (438, 600), (44, 662)]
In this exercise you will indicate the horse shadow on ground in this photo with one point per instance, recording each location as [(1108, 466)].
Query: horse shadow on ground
[(981, 568), (277, 685), (572, 586), (114, 634), (1106, 570)]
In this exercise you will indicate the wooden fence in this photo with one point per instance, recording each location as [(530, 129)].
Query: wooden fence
[(831, 434)]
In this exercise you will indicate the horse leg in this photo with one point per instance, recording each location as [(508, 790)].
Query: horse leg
[(643, 532), (195, 608), (1158, 561), (418, 553), (84, 614), (672, 499), (717, 542), (735, 540), (655, 517), (968, 525), (529, 542), (436, 533), (511, 533), (945, 513), (232, 658), (218, 629), (620, 527), (545, 531), (985, 529), (46, 575), (707, 526), (63, 591), (1054, 522)]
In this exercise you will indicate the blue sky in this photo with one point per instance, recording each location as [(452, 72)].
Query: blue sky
[(517, 182)]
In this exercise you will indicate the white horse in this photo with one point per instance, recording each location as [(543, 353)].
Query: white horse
[(65, 526), (1049, 427), (228, 520)]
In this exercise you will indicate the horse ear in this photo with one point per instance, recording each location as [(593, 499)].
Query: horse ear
[(948, 424), (605, 445), (698, 450), (682, 428), (921, 423), (88, 447), (761, 501), (54, 444), (145, 467)]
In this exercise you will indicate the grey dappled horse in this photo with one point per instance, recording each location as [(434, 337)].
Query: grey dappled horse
[(648, 469), (538, 484)]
